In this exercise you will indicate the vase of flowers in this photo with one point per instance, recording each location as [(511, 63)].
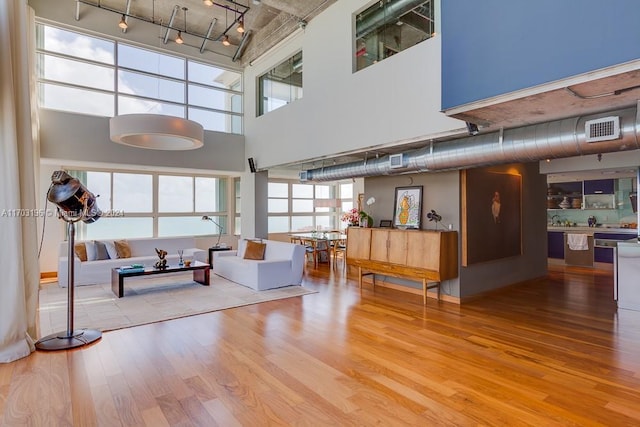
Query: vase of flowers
[(351, 217), (366, 220)]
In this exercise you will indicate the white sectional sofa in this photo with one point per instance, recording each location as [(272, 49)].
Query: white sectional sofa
[(143, 251), (283, 265)]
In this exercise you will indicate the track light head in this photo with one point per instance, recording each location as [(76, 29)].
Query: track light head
[(240, 28), (225, 40), (179, 38), (123, 23), (207, 2)]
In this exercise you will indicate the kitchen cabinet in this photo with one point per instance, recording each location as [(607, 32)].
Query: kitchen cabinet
[(600, 194), (555, 244), (599, 186), (564, 195), (605, 244)]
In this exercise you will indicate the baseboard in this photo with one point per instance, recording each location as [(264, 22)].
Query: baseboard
[(49, 275)]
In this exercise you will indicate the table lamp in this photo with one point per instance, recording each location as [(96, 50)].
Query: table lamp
[(208, 218)]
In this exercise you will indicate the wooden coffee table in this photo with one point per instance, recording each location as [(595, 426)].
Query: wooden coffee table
[(200, 274)]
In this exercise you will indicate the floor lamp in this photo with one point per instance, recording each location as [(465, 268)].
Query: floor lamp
[(75, 203)]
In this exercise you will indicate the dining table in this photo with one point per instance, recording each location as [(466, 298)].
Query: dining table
[(313, 240)]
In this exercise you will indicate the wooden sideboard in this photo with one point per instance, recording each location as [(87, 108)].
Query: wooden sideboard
[(429, 255)]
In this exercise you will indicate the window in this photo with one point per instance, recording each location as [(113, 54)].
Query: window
[(292, 206), (389, 27), (79, 73), (236, 189), (281, 85), (154, 205)]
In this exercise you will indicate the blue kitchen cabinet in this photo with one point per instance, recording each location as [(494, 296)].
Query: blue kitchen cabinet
[(555, 244), (599, 186), (604, 244)]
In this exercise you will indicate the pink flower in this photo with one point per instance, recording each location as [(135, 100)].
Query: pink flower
[(352, 216)]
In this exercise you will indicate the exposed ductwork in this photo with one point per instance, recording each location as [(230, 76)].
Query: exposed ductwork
[(557, 139), (385, 15)]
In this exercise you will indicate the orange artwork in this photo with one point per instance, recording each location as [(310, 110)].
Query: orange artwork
[(408, 207)]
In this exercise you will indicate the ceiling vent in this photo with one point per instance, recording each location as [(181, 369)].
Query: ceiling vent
[(304, 176), (602, 129), (395, 161)]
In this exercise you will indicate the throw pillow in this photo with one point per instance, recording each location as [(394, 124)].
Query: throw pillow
[(111, 249), (123, 249), (254, 250), (91, 250), (101, 251), (81, 251)]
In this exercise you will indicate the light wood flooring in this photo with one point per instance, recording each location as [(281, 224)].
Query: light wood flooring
[(548, 352)]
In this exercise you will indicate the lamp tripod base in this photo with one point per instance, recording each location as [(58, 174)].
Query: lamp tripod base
[(64, 340)]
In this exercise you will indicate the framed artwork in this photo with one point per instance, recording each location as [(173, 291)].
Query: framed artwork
[(407, 207), (491, 215)]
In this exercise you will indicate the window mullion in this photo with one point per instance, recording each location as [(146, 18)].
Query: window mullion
[(116, 86)]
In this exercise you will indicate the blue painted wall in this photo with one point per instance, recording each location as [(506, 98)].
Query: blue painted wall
[(493, 47)]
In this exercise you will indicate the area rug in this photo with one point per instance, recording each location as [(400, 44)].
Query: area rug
[(148, 300)]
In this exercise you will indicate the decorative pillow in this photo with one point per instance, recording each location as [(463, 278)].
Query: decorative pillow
[(254, 250), (101, 251), (123, 249), (81, 251), (111, 249), (91, 250)]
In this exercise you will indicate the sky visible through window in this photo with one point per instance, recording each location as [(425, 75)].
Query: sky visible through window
[(167, 86)]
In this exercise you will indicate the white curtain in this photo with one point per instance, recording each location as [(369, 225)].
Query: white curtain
[(19, 165)]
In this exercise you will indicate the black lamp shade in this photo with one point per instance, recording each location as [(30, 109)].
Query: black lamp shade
[(72, 197)]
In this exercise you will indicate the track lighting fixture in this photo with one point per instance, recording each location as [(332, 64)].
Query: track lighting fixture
[(169, 27), (123, 23), (179, 38)]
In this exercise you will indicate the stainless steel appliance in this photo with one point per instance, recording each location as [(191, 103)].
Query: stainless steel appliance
[(628, 275)]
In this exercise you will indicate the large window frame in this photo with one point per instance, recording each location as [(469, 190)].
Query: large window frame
[(149, 219), (298, 204), (131, 85), (383, 29), (281, 85)]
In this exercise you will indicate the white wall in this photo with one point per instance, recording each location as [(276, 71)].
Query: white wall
[(395, 100), (82, 138)]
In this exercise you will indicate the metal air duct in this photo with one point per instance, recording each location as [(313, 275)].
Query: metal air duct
[(557, 139), (385, 15)]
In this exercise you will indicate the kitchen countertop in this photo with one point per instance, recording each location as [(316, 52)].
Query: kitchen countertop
[(591, 230)]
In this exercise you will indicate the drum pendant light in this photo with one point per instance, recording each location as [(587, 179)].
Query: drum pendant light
[(156, 132)]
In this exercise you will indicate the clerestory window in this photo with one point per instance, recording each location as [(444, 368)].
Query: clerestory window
[(281, 85), (391, 26)]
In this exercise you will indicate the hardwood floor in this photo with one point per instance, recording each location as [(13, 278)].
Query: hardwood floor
[(549, 352)]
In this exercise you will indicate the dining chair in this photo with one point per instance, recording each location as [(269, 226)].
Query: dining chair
[(322, 251), (340, 249), (309, 250)]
